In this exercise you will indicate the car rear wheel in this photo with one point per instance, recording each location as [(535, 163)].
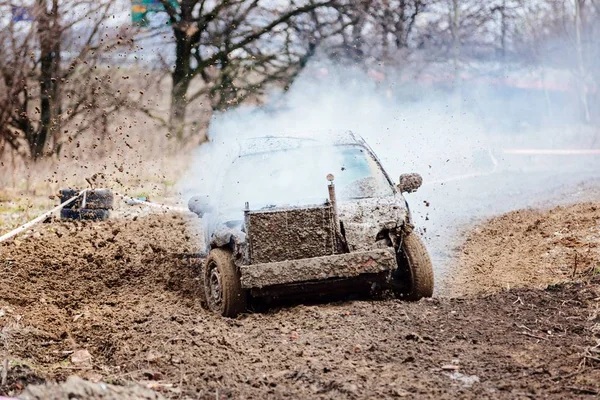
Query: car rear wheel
[(222, 289), (415, 271)]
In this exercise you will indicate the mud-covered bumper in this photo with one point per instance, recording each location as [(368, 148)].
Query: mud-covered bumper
[(318, 268)]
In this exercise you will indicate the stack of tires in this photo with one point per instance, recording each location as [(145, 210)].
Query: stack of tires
[(98, 202)]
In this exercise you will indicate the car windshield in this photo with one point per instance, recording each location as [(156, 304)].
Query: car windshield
[(298, 177)]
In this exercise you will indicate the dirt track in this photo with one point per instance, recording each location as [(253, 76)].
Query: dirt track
[(123, 291)]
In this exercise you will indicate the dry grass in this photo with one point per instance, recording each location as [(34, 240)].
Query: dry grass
[(139, 158)]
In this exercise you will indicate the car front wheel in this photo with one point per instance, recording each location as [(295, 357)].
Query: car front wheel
[(414, 276), (222, 289)]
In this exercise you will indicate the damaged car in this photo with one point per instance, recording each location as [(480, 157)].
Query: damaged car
[(298, 216)]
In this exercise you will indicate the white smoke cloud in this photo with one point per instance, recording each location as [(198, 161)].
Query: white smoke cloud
[(455, 140), (431, 139)]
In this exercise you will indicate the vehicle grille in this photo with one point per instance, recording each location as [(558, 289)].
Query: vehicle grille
[(289, 234)]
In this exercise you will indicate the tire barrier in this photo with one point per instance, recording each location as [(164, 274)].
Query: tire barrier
[(91, 205), (94, 199), (86, 204)]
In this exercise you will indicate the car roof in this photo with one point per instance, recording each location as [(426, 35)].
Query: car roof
[(271, 143)]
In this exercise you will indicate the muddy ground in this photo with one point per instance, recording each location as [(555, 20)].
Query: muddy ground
[(119, 302)]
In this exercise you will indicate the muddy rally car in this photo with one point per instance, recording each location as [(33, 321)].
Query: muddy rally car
[(300, 217)]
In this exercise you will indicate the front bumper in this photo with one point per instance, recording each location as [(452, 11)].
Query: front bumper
[(346, 265)]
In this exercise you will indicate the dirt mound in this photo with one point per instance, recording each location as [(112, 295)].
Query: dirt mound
[(529, 248), (118, 302), (77, 388), (74, 286)]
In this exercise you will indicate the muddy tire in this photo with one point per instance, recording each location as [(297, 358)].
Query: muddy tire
[(415, 270), (94, 215), (222, 289), (100, 199), (66, 194)]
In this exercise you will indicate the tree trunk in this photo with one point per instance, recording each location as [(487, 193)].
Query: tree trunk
[(50, 105), (181, 82), (401, 41)]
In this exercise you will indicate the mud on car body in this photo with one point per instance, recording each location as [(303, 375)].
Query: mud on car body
[(300, 216)]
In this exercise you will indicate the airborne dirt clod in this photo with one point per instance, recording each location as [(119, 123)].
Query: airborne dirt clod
[(126, 293)]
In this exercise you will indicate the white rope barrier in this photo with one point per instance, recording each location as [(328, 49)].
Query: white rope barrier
[(42, 217), (132, 201), (127, 199)]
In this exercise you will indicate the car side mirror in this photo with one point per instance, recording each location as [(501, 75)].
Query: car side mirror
[(409, 183), (200, 205)]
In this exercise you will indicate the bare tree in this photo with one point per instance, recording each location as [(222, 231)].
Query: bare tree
[(564, 34), (377, 30), (50, 66), (236, 47)]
